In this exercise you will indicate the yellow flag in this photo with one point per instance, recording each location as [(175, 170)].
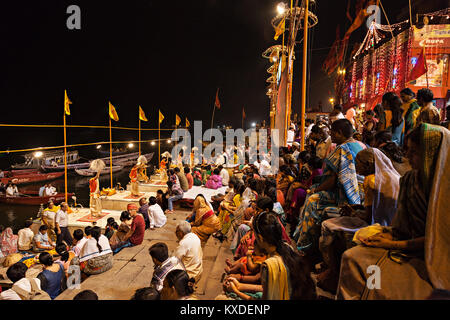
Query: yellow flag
[(188, 124), (142, 116), (67, 102), (161, 117), (112, 113), (279, 30), (177, 120)]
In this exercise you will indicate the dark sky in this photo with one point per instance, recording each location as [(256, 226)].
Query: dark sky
[(158, 54)]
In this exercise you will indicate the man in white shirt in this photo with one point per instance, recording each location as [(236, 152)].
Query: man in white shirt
[(290, 136), (26, 235), (155, 214), (224, 175), (309, 125), (50, 190), (189, 250), (12, 191), (336, 114), (42, 190), (61, 224), (41, 242), (16, 273)]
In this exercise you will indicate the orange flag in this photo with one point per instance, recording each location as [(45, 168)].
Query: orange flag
[(142, 116), (67, 102), (188, 124), (217, 103), (161, 117), (177, 120), (112, 113)]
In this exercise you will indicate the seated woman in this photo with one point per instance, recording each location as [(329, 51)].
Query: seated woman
[(161, 199), (413, 254), (284, 274), (109, 230), (206, 173), (284, 180), (118, 238), (8, 242), (381, 187), (52, 277), (197, 175), (65, 257), (96, 255), (214, 181), (227, 210), (304, 175), (339, 186), (178, 286), (203, 220)]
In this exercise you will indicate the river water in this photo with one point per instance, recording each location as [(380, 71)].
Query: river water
[(15, 215)]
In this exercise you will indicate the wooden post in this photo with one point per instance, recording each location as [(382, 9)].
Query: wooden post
[(305, 68), (159, 137), (110, 152)]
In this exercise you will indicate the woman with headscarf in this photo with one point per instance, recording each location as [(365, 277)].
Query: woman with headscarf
[(413, 254), (381, 187), (383, 142), (381, 117), (228, 210), (396, 125), (8, 242), (204, 221), (411, 109)]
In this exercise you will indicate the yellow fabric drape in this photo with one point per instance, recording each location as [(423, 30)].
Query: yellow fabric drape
[(277, 279)]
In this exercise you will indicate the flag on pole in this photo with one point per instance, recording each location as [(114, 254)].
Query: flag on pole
[(112, 113), (217, 103), (142, 116), (279, 30), (188, 124), (243, 113), (419, 68), (67, 102), (161, 117), (177, 120)]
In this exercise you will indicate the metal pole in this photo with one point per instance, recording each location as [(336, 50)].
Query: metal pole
[(305, 68), (65, 157), (139, 137), (110, 152), (159, 136)]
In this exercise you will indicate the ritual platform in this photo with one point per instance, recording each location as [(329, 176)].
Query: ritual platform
[(121, 199), (151, 186), (81, 218)]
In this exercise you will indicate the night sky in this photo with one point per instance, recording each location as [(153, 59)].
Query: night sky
[(158, 54)]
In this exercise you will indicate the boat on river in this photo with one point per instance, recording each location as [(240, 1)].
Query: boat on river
[(33, 198), (120, 160), (90, 173), (35, 160), (31, 177)]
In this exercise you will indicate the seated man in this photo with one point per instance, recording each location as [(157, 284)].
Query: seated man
[(189, 250), (339, 186), (41, 242), (26, 235), (157, 218), (182, 178), (22, 286), (224, 175), (135, 236), (163, 264)]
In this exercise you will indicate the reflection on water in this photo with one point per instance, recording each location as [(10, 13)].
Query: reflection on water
[(15, 215)]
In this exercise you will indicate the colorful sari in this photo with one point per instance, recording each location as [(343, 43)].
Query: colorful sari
[(276, 278), (411, 111), (422, 212), (8, 242), (342, 163), (226, 217), (205, 222)]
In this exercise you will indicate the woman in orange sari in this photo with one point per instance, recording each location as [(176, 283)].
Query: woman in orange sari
[(203, 220)]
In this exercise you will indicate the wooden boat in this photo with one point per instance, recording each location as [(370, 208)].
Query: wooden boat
[(15, 173), (32, 161), (121, 160), (90, 173), (32, 198), (21, 179)]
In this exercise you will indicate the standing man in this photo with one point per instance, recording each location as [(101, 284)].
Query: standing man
[(189, 250), (61, 224)]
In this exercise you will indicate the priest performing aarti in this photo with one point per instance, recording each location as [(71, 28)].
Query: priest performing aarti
[(95, 204)]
